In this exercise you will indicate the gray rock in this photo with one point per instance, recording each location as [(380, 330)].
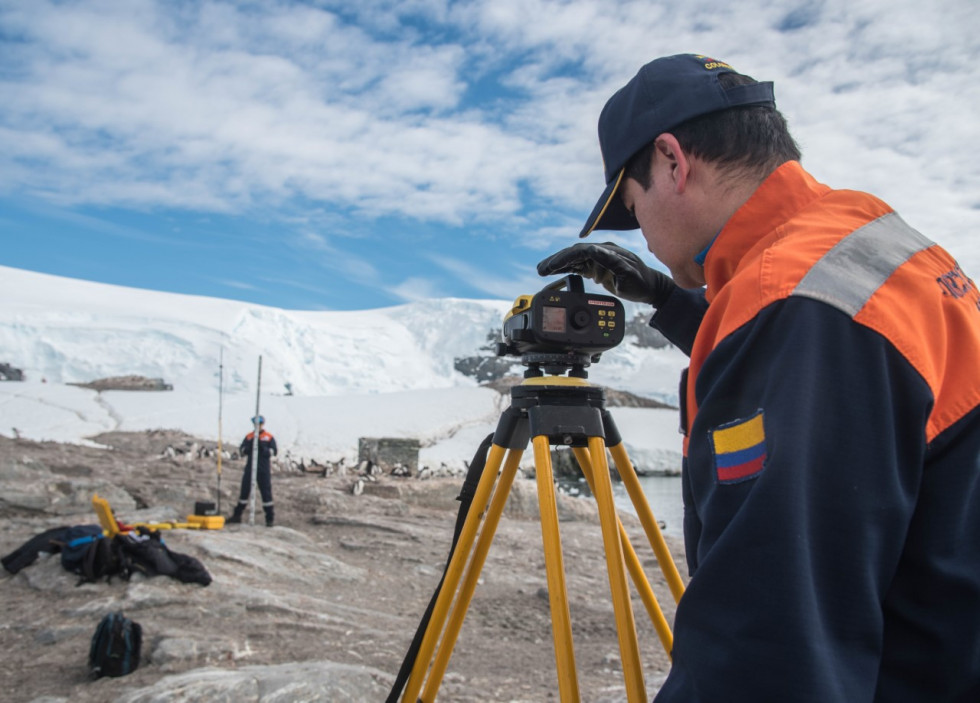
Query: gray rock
[(286, 683), (321, 608)]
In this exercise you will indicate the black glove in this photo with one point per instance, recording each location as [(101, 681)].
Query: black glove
[(618, 270)]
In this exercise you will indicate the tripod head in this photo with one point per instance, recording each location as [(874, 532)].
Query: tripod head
[(571, 363), (562, 329)]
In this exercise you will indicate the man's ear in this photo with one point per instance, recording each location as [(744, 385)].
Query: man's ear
[(676, 164)]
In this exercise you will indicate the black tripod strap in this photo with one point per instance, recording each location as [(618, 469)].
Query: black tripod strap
[(465, 499)]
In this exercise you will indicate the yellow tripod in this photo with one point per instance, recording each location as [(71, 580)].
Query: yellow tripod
[(546, 410)]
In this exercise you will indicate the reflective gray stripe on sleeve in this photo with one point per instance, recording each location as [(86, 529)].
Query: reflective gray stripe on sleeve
[(849, 274)]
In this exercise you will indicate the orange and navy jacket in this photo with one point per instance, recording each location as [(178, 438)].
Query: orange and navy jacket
[(832, 458), (267, 447)]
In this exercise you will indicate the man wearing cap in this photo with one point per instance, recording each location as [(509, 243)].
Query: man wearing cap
[(831, 409), (267, 448)]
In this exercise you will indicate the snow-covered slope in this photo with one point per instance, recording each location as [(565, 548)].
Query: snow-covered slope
[(327, 377), (66, 330)]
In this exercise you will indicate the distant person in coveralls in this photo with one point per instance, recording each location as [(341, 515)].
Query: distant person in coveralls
[(267, 447)]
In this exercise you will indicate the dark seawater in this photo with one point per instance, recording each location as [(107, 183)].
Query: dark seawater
[(663, 493)]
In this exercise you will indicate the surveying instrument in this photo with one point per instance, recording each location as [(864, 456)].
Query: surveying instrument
[(557, 333)]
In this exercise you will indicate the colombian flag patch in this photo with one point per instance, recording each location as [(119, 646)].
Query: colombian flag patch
[(739, 448)]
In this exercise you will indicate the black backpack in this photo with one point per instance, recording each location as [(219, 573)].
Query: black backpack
[(75, 545), (148, 554), (90, 555), (115, 649), (101, 560)]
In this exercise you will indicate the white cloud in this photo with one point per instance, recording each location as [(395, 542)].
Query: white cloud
[(374, 107), (334, 258), (412, 289), (484, 277), (242, 127), (232, 283)]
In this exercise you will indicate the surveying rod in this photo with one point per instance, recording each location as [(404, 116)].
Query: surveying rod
[(221, 383), (255, 447)]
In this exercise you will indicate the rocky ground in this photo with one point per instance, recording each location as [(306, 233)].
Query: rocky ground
[(322, 607)]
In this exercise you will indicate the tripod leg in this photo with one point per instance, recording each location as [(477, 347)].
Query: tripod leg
[(628, 475), (640, 580), (468, 587), (615, 563), (561, 621), (453, 573)]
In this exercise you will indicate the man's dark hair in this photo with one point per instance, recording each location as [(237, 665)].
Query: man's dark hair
[(753, 139)]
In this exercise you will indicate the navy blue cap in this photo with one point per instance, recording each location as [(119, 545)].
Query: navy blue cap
[(663, 94), (259, 419)]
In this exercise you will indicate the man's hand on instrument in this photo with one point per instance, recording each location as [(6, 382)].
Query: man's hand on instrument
[(618, 270)]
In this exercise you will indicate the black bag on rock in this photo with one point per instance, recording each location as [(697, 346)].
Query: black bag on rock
[(77, 541), (101, 560), (115, 649), (148, 554)]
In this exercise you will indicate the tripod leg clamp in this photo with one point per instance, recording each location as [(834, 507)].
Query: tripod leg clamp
[(566, 424)]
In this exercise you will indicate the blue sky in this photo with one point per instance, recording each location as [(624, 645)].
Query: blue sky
[(339, 155)]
